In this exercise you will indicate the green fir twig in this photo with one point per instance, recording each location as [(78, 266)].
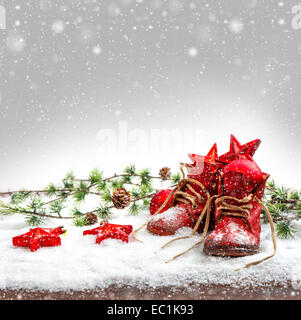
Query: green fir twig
[(38, 205)]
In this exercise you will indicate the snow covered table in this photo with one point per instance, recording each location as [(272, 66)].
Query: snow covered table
[(82, 269)]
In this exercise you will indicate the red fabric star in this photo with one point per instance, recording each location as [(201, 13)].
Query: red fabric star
[(238, 151), (113, 231), (39, 237)]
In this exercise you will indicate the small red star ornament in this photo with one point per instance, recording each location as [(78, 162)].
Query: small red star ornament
[(109, 230), (204, 168), (203, 163), (239, 151), (39, 237)]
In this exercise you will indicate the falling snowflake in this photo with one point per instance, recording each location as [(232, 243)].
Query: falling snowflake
[(212, 17), (157, 4), (192, 5), (114, 10), (287, 78), (236, 26), (126, 2), (281, 22), (237, 61), (117, 113), (86, 34), (175, 6), (97, 50), (203, 34), (2, 18), (15, 42), (192, 52), (45, 5), (58, 26), (252, 3)]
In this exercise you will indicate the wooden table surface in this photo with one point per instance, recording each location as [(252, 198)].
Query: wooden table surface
[(269, 291)]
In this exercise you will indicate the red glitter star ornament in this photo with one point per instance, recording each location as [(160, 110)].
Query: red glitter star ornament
[(113, 231), (204, 168), (199, 162), (238, 151), (39, 237)]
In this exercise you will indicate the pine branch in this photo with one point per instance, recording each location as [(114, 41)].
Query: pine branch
[(285, 207), (57, 207), (7, 209), (284, 230), (37, 192), (130, 170), (79, 221), (134, 208), (116, 176), (103, 212), (95, 176), (175, 178), (53, 198), (60, 198)]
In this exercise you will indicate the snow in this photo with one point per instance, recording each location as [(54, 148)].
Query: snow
[(239, 235), (80, 263), (169, 215)]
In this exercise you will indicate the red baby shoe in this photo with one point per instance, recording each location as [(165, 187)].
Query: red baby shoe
[(190, 197), (237, 212)]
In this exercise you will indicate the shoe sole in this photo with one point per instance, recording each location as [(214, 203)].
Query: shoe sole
[(160, 232), (231, 251)]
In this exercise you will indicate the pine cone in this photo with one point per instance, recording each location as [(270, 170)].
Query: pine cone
[(165, 173), (121, 198), (91, 218)]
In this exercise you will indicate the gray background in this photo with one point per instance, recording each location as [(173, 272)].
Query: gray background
[(70, 69)]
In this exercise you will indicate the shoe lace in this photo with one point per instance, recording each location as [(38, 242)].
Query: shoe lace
[(185, 197), (229, 209)]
